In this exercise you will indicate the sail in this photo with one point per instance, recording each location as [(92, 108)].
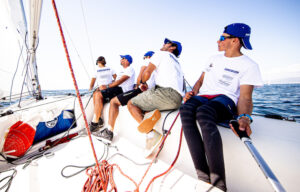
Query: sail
[(22, 51), (18, 18), (35, 7), (13, 36)]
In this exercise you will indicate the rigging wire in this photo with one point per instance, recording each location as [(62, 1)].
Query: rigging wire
[(73, 44), (27, 66), (75, 84), (86, 30), (12, 82), (9, 179)]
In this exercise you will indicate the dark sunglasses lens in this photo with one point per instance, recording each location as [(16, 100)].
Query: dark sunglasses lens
[(222, 38)]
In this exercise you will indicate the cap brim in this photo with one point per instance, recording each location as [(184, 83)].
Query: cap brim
[(167, 41), (246, 43)]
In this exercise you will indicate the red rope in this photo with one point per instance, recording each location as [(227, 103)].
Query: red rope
[(75, 83), (171, 166), (98, 182), (156, 154)]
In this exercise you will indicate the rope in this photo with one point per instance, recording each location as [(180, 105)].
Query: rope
[(99, 181), (75, 84), (12, 82), (102, 175), (171, 166), (156, 154), (9, 180)]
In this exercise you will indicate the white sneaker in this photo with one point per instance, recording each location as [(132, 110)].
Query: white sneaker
[(152, 143)]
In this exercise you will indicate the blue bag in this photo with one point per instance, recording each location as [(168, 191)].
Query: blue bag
[(58, 125)]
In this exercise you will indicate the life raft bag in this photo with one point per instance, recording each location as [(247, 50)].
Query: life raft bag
[(18, 140), (58, 125)]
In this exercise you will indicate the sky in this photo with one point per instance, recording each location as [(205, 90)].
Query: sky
[(111, 28)]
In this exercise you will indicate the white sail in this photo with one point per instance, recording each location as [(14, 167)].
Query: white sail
[(22, 78), (17, 14), (13, 36), (35, 7)]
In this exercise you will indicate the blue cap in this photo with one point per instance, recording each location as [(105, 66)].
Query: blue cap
[(240, 30), (179, 47), (128, 57), (149, 54)]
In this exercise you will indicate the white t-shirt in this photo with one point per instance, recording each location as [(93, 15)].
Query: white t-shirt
[(224, 75), (151, 80), (129, 83), (168, 71), (103, 75)]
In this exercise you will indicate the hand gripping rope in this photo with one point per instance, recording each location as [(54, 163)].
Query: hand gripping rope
[(102, 175)]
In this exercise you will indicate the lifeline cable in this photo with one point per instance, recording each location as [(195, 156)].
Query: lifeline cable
[(155, 156), (75, 84)]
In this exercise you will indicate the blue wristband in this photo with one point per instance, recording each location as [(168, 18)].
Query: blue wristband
[(245, 115)]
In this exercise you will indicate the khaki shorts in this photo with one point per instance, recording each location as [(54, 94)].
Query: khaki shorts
[(158, 98)]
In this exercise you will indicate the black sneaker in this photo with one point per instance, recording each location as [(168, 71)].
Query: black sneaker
[(100, 122), (105, 135), (96, 126)]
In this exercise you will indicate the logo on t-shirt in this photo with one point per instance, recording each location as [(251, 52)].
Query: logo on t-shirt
[(231, 70)]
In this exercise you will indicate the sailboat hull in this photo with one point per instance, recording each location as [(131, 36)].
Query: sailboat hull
[(278, 142)]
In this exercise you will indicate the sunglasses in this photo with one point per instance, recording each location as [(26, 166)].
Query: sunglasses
[(222, 38), (172, 44)]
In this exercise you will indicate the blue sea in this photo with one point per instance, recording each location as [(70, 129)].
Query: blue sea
[(275, 100)]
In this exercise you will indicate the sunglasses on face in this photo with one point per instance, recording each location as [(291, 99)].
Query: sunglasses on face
[(172, 44), (223, 38)]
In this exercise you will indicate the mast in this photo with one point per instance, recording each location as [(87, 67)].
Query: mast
[(35, 7)]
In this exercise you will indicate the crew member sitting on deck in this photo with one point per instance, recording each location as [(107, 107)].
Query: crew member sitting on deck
[(166, 95), (108, 88), (225, 85), (122, 99)]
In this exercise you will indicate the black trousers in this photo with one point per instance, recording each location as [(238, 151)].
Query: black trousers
[(207, 150)]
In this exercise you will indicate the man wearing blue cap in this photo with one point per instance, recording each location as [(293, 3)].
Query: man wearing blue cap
[(123, 83), (122, 99), (223, 91), (166, 95)]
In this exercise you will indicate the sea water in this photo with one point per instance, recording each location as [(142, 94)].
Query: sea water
[(277, 99)]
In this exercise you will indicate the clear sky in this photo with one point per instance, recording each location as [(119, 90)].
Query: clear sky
[(134, 27)]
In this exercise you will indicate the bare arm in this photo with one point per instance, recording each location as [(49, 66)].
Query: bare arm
[(140, 76), (196, 88), (148, 71), (198, 84), (245, 106), (92, 83), (119, 81)]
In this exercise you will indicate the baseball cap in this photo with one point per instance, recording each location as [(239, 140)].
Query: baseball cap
[(179, 47), (128, 57), (149, 54), (240, 30)]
